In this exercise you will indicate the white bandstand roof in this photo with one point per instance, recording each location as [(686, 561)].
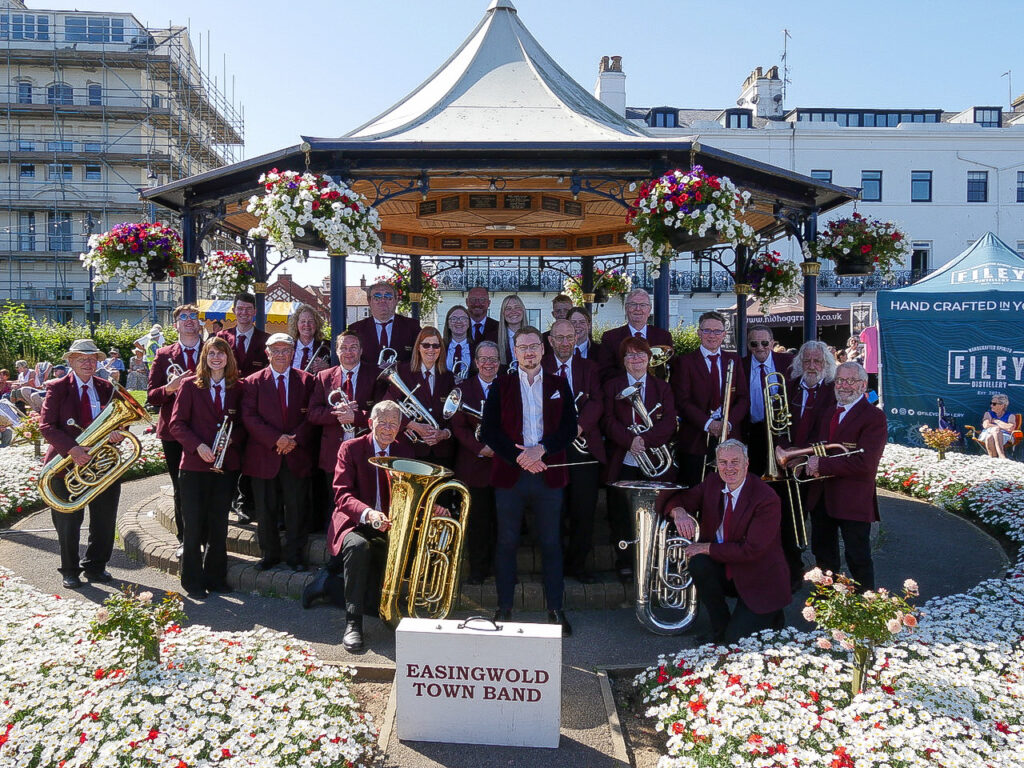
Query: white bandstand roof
[(500, 86)]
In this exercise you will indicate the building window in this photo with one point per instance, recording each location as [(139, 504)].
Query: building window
[(825, 176), (920, 186), (1020, 186), (93, 29), (26, 146), (24, 92), (28, 171), (58, 172), (1020, 248), (60, 93), (95, 95), (93, 172), (27, 231), (60, 146), (659, 118), (92, 146), (60, 231), (977, 186), (24, 26), (871, 186), (920, 258), (737, 119), (154, 101), (988, 118)]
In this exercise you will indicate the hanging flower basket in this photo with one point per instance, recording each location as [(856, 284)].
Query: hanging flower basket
[(134, 253), (228, 273), (773, 278), (860, 245), (313, 207), (607, 283), (686, 210), (401, 283)]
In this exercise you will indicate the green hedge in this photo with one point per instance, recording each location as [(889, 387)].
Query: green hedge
[(684, 337)]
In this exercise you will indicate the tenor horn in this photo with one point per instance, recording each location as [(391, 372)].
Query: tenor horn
[(409, 404), (661, 355), (666, 597), (653, 462), (424, 549)]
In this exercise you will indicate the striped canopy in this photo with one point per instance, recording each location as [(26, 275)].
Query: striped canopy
[(220, 309)]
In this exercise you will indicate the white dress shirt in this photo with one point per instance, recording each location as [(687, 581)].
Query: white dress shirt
[(299, 349), (533, 408), (464, 346), (641, 383), (94, 398), (720, 533)]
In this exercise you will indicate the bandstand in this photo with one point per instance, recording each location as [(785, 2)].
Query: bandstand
[(499, 154)]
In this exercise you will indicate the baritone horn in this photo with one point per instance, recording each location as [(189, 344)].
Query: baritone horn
[(424, 549), (654, 462), (666, 597), (66, 487), (777, 420)]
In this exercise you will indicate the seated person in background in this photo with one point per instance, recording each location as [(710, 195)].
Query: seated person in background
[(739, 550), (998, 426), (5, 382), (23, 372)]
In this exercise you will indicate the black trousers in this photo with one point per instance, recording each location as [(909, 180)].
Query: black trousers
[(205, 501), (691, 465), (580, 510), (173, 451), (712, 590), (792, 514), (284, 497), (529, 492), (825, 531), (322, 503), (102, 522), (621, 518), (480, 532), (364, 554), (757, 447)]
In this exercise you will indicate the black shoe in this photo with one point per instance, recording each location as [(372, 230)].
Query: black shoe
[(72, 582), (222, 587), (299, 567), (558, 617), (353, 637), (316, 588), (266, 563), (198, 594), (586, 578), (100, 577), (502, 615)]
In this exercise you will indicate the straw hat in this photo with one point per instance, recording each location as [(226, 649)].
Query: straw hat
[(84, 347)]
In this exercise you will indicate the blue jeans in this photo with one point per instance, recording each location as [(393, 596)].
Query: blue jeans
[(529, 492)]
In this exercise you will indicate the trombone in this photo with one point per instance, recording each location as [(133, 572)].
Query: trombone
[(409, 404), (777, 420), (726, 401)]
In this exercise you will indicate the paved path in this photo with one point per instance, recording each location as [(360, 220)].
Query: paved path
[(942, 552)]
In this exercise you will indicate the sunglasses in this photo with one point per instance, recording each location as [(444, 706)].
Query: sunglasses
[(188, 316), (383, 296), (429, 345), (756, 344)]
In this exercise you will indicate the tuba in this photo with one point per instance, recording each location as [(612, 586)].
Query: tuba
[(654, 462), (666, 597), (410, 405), (777, 421), (66, 487), (424, 550)]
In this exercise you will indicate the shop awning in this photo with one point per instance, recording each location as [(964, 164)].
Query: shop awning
[(220, 309)]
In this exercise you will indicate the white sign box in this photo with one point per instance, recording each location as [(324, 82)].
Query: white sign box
[(467, 683)]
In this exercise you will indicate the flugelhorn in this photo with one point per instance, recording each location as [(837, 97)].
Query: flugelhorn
[(777, 421), (409, 404), (653, 462), (786, 455), (666, 597)]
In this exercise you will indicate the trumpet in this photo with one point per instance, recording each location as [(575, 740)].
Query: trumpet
[(410, 405), (785, 455), (337, 398), (777, 421), (726, 400), (221, 443), (654, 462)]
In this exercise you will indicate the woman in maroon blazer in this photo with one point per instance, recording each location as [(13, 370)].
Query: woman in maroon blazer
[(202, 405), (427, 369)]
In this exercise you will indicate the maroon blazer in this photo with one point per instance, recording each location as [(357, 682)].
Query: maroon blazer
[(609, 361), (502, 428), (157, 395), (402, 335), (752, 546), (444, 451), (63, 402), (195, 421), (490, 331), (807, 426), (586, 378), (255, 357), (355, 486), (471, 468), (619, 415), (264, 423), (367, 390), (694, 388), (850, 492)]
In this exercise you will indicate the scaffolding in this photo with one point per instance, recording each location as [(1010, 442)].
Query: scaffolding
[(96, 106)]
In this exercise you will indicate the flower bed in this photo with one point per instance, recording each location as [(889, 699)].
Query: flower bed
[(950, 694), (217, 698)]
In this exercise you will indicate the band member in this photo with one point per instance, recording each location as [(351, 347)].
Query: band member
[(638, 311), (312, 352), (205, 403), (162, 390), (427, 375), (383, 328), (738, 552), (586, 347), (847, 503), (560, 306), (279, 454), (482, 327), (529, 420), (698, 382), (347, 418), (247, 341), (72, 403), (759, 361), (356, 535), (513, 317), (625, 445), (473, 463), (457, 345), (584, 382)]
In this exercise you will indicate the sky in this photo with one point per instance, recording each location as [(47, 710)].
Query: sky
[(324, 67)]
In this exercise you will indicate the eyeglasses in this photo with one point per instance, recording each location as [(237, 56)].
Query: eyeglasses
[(995, 402), (563, 338), (636, 305), (848, 382), (756, 344), (275, 352), (712, 331), (390, 425), (188, 316), (634, 355), (429, 345), (487, 360), (529, 347), (382, 296)]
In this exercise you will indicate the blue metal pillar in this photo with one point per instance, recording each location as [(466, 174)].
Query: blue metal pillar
[(259, 250), (415, 284), (810, 268), (339, 311)]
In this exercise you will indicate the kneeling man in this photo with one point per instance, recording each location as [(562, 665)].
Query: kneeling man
[(739, 550)]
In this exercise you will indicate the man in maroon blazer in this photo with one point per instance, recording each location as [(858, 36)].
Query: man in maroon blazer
[(71, 404), (280, 455), (248, 342), (383, 328), (638, 311), (759, 362), (162, 389), (481, 327), (698, 382), (584, 381), (848, 503), (529, 421), (358, 380), (739, 551)]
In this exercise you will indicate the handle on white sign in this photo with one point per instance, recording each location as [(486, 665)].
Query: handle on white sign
[(494, 626)]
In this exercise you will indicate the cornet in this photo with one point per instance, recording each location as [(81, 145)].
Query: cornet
[(337, 399), (460, 371), (317, 356), (221, 443), (654, 462), (174, 371), (410, 405)]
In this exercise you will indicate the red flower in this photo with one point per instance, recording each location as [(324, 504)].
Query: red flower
[(82, 738), (865, 248), (698, 705), (225, 752), (153, 733), (678, 727), (1002, 727)]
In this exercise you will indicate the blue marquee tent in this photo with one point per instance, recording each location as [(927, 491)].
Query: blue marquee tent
[(957, 334)]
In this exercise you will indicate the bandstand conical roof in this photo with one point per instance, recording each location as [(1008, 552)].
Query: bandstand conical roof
[(500, 85)]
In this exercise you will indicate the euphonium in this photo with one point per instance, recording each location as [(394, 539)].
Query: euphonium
[(411, 407), (654, 462), (666, 597), (66, 487), (424, 549), (777, 420)]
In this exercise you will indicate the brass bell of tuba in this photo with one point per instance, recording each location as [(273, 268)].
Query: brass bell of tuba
[(666, 597), (66, 487), (654, 462), (424, 549)]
